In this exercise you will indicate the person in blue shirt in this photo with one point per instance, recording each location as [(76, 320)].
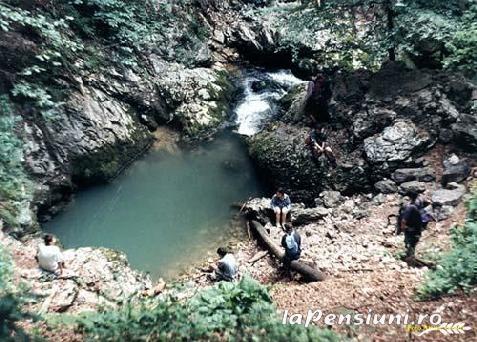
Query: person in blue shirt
[(281, 206), (291, 242)]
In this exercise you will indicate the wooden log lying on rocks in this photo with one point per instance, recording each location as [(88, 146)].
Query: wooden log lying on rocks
[(304, 269)]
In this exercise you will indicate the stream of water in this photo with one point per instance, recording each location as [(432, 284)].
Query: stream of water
[(171, 209)]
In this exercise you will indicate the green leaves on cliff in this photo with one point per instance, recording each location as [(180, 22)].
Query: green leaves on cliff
[(227, 312), (355, 33), (11, 155), (457, 270)]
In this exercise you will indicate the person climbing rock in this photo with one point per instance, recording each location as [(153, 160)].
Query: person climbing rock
[(281, 205), (411, 223), (316, 99), (49, 256), (291, 241), (318, 145), (226, 268)]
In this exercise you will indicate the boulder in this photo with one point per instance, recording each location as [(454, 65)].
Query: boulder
[(425, 174), (396, 143), (450, 197), (281, 155), (371, 121), (413, 186), (386, 186), (465, 132), (455, 170), (329, 199), (309, 215)]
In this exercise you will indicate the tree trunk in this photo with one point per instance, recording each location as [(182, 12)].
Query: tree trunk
[(390, 15), (307, 271)]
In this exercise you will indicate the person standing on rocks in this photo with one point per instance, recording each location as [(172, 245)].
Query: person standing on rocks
[(49, 256), (281, 205), (291, 241), (411, 224), (316, 98)]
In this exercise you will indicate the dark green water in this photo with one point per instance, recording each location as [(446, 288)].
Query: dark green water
[(166, 211)]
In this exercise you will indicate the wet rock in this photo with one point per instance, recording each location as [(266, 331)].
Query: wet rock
[(396, 143), (425, 174), (449, 197), (413, 186), (455, 170), (386, 186)]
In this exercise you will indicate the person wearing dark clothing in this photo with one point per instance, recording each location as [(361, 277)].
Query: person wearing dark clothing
[(317, 97), (411, 224), (291, 242), (317, 143)]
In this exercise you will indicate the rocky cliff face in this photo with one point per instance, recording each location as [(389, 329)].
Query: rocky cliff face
[(379, 122), (105, 107)]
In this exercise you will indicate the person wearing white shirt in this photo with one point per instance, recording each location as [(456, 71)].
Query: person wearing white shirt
[(226, 267), (49, 256)]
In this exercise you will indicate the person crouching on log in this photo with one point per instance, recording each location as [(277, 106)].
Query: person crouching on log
[(291, 241), (281, 206)]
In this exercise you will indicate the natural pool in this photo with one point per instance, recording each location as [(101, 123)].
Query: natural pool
[(170, 209), (167, 209)]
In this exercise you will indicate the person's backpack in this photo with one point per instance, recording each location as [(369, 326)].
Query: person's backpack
[(292, 246)]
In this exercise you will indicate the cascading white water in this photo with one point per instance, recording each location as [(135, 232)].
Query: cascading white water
[(256, 108)]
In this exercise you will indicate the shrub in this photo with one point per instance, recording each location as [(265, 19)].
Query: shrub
[(10, 303), (457, 269), (228, 311)]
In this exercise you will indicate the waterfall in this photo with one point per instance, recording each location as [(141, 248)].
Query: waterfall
[(258, 105)]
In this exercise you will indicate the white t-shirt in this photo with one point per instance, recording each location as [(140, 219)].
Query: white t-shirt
[(228, 265), (49, 257)]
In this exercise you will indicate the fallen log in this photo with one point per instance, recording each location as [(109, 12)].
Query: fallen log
[(257, 257), (306, 270)]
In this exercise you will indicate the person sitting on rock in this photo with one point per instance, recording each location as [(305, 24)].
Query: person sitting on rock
[(49, 256), (316, 142), (411, 223), (281, 206), (291, 241), (226, 268)]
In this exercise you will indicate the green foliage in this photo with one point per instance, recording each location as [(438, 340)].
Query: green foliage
[(12, 177), (361, 33), (240, 311), (457, 269), (10, 303), (138, 25)]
